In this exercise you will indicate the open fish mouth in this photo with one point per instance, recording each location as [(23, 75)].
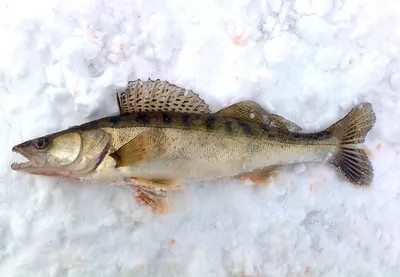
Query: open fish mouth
[(22, 165)]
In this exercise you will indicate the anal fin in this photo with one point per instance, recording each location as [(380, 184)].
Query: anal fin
[(251, 111), (261, 175)]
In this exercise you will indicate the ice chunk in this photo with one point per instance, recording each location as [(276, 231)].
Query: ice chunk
[(321, 7), (299, 168), (302, 6), (275, 5), (114, 44), (54, 75), (314, 29), (328, 57), (395, 81), (278, 49)]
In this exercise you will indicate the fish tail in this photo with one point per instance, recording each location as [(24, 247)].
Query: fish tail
[(353, 162)]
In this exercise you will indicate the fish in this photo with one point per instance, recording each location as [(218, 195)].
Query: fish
[(165, 136)]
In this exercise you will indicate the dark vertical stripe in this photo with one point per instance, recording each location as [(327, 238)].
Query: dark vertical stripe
[(166, 118), (246, 127), (114, 120), (142, 118), (228, 127), (119, 103), (185, 120), (264, 127), (271, 132), (210, 121)]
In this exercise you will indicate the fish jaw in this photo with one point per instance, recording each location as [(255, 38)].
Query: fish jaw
[(33, 161), (35, 164)]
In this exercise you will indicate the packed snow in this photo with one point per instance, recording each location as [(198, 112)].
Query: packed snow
[(309, 61)]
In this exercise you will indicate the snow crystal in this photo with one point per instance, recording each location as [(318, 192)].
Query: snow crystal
[(309, 61)]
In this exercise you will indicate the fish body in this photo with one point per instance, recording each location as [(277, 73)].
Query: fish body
[(164, 137), (203, 146)]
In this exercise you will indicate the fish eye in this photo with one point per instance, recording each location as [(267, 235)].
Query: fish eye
[(41, 143)]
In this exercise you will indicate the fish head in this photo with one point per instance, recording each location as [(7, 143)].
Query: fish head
[(68, 153)]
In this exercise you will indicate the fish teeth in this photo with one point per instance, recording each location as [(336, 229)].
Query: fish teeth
[(22, 159)]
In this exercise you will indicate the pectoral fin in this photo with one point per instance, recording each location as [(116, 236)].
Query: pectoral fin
[(145, 147), (157, 199), (251, 111), (261, 175)]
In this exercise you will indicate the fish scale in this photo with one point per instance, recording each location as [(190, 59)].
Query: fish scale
[(208, 123)]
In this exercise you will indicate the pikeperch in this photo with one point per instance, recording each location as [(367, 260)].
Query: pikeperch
[(165, 135)]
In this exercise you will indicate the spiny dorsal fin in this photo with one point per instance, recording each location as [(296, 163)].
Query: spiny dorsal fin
[(251, 111), (152, 96)]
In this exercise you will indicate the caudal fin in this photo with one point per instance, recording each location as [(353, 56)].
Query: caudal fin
[(350, 131)]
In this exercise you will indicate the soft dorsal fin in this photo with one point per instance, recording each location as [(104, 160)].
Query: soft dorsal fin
[(152, 96), (251, 111)]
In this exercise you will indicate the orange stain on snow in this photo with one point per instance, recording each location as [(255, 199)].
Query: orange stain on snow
[(310, 187), (367, 150), (287, 224), (237, 40), (308, 270), (138, 16), (378, 147), (172, 241)]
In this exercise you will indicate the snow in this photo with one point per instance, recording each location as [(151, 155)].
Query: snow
[(395, 81), (307, 60)]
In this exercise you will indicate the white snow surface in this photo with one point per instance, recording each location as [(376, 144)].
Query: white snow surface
[(310, 61)]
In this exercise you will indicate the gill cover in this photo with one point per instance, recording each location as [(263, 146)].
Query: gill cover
[(94, 146), (64, 149)]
